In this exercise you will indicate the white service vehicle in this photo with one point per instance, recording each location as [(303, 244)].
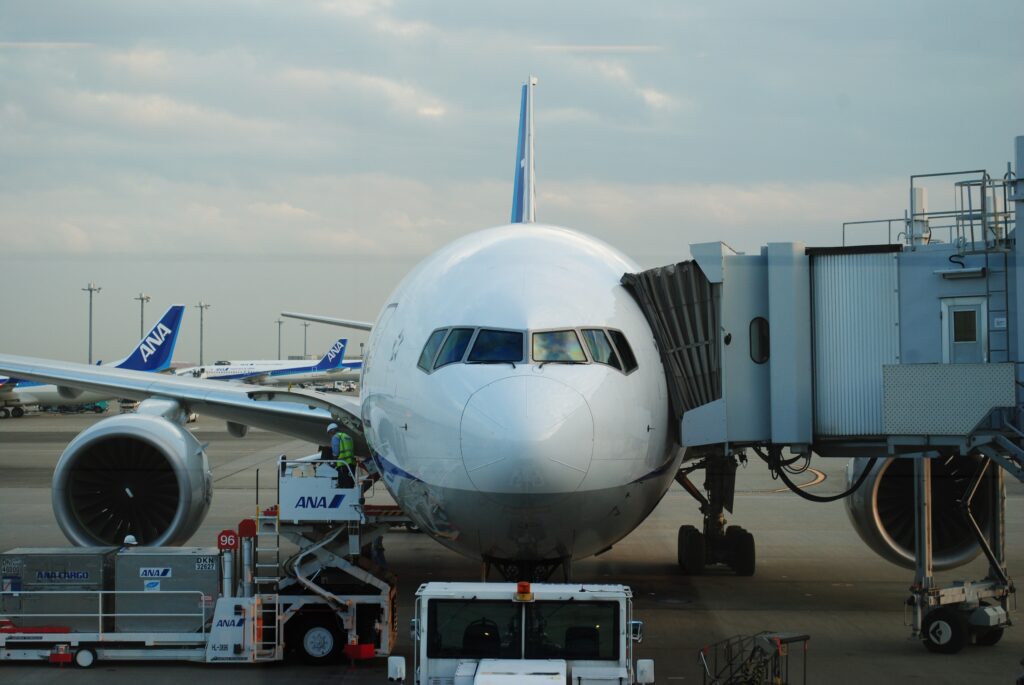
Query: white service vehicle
[(522, 633)]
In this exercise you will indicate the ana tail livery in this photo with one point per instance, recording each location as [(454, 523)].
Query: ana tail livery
[(153, 353)]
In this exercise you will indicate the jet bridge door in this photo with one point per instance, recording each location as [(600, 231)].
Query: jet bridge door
[(963, 332)]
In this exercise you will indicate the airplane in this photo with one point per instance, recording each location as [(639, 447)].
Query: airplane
[(332, 367), (152, 354), (509, 372)]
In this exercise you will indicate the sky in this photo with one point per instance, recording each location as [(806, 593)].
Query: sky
[(304, 155)]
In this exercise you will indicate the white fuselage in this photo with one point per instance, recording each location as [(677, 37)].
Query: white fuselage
[(524, 461), (46, 395)]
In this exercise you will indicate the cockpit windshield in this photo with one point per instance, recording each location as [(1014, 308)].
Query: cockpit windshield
[(454, 347), (470, 345), (497, 346), (558, 346)]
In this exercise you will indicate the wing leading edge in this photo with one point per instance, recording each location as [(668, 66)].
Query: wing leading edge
[(300, 414)]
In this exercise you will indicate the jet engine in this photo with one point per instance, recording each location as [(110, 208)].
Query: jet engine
[(882, 509), (138, 474)]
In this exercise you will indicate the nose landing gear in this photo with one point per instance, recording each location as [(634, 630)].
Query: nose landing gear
[(716, 544)]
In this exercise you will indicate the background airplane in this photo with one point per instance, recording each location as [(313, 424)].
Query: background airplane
[(153, 353), (332, 367)]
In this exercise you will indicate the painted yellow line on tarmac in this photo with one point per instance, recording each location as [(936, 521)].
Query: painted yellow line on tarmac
[(819, 478)]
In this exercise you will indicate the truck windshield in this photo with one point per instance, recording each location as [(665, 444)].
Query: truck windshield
[(572, 630), (474, 629), (481, 629)]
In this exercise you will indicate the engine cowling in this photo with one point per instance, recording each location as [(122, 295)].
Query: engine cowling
[(882, 509), (133, 474)]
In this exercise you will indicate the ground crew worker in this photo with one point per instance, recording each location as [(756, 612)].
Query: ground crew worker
[(343, 450)]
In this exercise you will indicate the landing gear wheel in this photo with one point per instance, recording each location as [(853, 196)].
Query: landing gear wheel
[(85, 658), (988, 637), (691, 550), (17, 412), (945, 631), (742, 556), (4, 412), (317, 639)]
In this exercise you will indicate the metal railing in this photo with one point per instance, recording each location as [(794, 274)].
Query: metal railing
[(204, 601)]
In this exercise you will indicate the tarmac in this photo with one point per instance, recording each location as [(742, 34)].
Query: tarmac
[(814, 575)]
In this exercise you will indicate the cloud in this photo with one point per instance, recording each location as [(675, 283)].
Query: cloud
[(142, 62), (43, 45), (401, 96), (160, 112), (600, 49)]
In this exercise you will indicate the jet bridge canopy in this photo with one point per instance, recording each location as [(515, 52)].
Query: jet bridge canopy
[(682, 307)]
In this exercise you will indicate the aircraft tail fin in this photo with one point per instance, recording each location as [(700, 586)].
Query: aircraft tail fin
[(334, 357), (154, 352), (524, 193)]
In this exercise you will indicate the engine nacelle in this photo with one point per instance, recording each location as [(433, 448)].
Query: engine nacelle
[(882, 509), (133, 474)]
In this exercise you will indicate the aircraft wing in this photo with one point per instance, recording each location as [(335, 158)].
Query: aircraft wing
[(299, 413), (347, 323)]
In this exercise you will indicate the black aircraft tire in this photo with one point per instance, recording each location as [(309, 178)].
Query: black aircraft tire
[(691, 552), (17, 412), (743, 553)]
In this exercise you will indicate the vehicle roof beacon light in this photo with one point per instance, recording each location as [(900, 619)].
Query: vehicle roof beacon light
[(523, 591)]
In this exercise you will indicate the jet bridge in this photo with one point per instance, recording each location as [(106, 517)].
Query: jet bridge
[(905, 357)]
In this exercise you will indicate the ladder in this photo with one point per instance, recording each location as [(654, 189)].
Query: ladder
[(997, 304), (267, 550), (267, 634)]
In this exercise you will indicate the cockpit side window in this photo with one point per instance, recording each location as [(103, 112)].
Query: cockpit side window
[(625, 351), (497, 346), (430, 349), (601, 351), (558, 346), (454, 347)]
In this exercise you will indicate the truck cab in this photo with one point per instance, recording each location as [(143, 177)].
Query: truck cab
[(498, 633)]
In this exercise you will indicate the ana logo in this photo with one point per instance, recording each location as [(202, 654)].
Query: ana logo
[(154, 340), (333, 352), (231, 622), (312, 502), (154, 573), (62, 575), (151, 586)]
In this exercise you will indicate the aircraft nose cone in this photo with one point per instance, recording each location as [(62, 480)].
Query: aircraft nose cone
[(527, 434)]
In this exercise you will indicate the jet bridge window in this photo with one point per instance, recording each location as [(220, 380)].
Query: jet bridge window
[(430, 349), (601, 351), (558, 346), (496, 347), (759, 341), (625, 351), (454, 348)]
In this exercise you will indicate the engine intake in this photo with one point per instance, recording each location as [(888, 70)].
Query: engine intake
[(133, 474), (882, 510)]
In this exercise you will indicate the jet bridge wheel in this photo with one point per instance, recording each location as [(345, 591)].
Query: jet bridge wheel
[(945, 631), (691, 551)]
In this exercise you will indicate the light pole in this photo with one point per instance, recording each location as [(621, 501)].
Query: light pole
[(143, 299), (202, 307), (305, 330), (279, 322), (91, 288)]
